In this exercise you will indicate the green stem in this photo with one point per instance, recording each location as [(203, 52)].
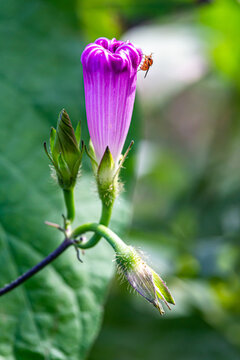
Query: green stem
[(69, 202), (104, 220), (106, 214), (103, 231)]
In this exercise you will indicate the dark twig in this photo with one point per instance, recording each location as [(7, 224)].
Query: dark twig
[(78, 254), (27, 275)]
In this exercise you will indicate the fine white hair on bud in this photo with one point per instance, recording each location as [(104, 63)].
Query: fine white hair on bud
[(143, 279)]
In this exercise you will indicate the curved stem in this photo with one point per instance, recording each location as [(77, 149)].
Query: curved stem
[(27, 275), (69, 202), (102, 231), (104, 220)]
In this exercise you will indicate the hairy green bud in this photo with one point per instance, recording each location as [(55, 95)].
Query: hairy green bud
[(143, 279)]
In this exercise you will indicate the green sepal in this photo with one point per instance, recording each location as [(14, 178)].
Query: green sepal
[(78, 133), (106, 168), (91, 154), (79, 160), (106, 181), (46, 151), (52, 139), (106, 173), (48, 155), (63, 167), (123, 158), (163, 292)]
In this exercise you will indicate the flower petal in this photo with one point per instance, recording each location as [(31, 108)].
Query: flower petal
[(110, 74)]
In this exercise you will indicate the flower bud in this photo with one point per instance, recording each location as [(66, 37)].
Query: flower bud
[(143, 279), (65, 152)]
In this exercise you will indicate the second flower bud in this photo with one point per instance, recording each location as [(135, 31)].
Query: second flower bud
[(65, 151)]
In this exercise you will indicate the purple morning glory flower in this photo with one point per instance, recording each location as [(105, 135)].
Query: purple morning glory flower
[(110, 74)]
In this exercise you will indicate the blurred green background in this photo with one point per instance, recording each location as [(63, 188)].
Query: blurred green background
[(186, 202), (183, 176)]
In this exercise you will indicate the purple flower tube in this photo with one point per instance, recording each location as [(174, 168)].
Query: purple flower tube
[(110, 74)]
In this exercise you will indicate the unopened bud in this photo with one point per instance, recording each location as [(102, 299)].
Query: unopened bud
[(65, 152), (143, 279)]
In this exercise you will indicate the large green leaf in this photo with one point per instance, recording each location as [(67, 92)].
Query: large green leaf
[(57, 313)]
